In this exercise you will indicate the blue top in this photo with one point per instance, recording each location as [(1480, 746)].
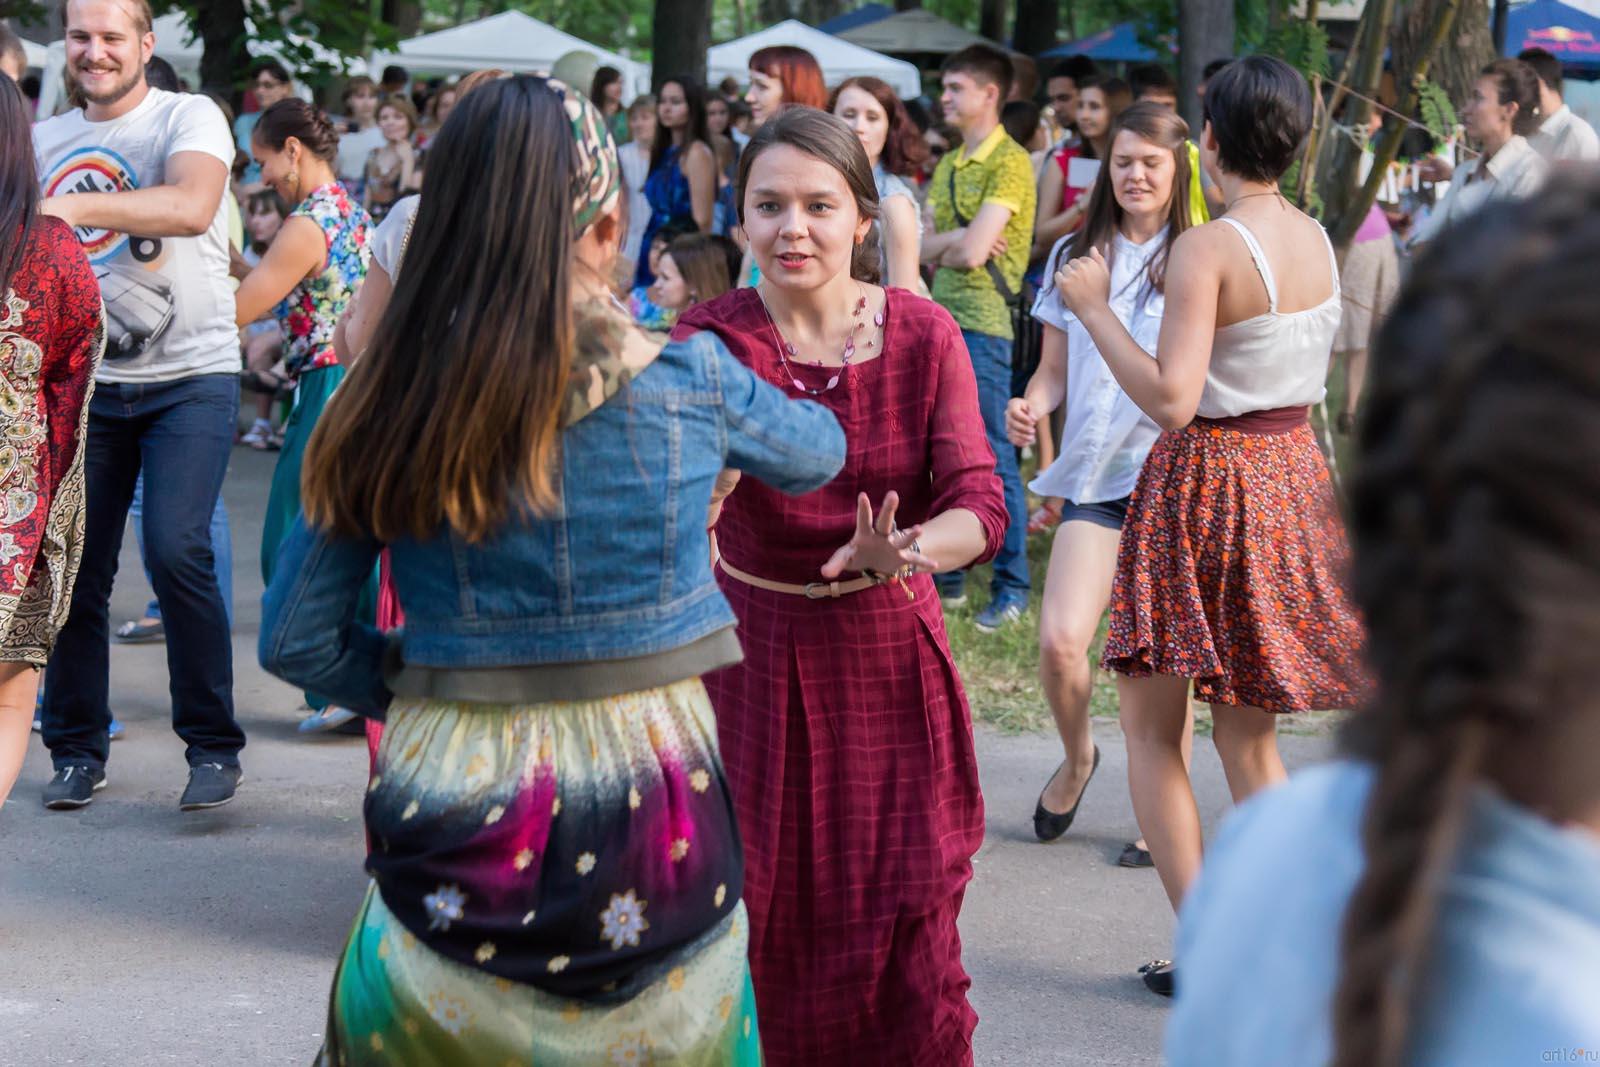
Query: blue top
[(244, 127), (1515, 972), (667, 189), (622, 570)]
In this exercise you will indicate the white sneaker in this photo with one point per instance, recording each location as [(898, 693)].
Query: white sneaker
[(259, 436)]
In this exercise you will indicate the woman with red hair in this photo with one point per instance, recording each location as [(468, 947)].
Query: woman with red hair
[(783, 75), (895, 148)]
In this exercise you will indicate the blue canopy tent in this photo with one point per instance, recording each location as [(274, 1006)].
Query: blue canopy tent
[(859, 17), (1569, 33), (1119, 44)]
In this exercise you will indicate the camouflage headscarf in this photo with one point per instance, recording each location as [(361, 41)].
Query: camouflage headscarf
[(597, 182)]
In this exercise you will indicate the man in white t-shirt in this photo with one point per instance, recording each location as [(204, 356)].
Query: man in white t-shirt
[(141, 173), (1562, 135)]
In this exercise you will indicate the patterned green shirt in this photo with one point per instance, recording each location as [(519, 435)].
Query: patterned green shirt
[(999, 172)]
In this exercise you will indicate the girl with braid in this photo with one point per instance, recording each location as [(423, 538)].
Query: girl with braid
[(1434, 898)]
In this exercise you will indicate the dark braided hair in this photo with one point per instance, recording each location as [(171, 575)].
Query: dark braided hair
[(1476, 518)]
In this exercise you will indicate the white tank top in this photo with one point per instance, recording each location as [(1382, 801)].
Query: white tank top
[(1274, 360)]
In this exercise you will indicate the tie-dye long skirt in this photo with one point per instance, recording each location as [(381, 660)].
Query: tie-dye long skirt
[(552, 884)]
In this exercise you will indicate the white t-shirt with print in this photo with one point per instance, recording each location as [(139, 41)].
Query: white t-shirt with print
[(169, 301)]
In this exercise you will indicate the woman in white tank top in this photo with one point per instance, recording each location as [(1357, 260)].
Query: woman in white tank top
[(1231, 568)]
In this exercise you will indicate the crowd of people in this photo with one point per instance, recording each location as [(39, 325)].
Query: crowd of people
[(711, 402)]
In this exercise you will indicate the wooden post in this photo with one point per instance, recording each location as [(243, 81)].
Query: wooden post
[(1388, 148)]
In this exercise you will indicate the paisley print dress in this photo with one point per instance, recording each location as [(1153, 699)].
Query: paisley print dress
[(52, 336)]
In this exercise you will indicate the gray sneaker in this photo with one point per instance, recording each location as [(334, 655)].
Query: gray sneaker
[(73, 787), (211, 785)]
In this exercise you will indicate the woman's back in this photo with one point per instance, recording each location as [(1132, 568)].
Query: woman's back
[(1267, 911), (1277, 313)]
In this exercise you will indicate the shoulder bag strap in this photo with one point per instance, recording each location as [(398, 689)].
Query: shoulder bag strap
[(995, 274)]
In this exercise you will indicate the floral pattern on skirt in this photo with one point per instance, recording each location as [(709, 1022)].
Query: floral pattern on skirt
[(1232, 571), (395, 1001)]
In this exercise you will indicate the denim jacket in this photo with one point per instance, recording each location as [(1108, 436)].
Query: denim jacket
[(620, 571)]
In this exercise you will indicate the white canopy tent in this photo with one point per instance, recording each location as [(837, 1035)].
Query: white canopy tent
[(38, 55), (510, 40), (913, 32), (839, 58)]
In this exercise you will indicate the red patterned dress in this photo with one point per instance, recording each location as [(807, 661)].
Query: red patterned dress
[(845, 732), (51, 340)]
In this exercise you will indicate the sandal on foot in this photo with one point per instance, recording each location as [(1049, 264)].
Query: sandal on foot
[(1134, 856), (140, 631), (1049, 825)]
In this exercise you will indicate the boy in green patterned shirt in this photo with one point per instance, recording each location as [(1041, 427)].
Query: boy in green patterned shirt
[(980, 210)]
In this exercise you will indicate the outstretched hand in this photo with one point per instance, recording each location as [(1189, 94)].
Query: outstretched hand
[(877, 545)]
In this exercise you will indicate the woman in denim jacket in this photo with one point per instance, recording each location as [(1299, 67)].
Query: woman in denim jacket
[(556, 870)]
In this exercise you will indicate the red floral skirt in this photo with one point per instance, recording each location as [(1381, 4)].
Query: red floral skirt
[(1232, 571)]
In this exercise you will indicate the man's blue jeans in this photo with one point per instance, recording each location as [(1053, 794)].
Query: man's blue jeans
[(991, 363), (180, 435), (221, 550)]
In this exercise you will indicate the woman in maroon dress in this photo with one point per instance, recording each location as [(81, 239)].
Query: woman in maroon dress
[(845, 732), (50, 343)]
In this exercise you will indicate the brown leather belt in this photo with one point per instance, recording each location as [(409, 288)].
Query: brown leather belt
[(810, 590)]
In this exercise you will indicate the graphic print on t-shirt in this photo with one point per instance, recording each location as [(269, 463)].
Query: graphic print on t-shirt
[(139, 302)]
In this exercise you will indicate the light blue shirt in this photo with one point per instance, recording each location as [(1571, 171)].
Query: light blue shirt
[(1514, 978)]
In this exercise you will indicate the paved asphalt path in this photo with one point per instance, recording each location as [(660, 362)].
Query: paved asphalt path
[(134, 935)]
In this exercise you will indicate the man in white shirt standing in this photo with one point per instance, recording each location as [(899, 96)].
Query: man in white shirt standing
[(1562, 135), (141, 173)]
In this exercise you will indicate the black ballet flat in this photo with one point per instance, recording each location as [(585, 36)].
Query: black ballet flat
[(1134, 856), (1160, 977), (1047, 825)]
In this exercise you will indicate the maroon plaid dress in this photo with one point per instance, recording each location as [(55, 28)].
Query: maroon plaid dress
[(845, 731)]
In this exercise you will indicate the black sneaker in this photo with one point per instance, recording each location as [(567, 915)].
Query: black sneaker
[(211, 785), (73, 787)]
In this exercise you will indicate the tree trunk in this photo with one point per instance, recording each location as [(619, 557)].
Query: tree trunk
[(992, 19), (1366, 73), (769, 11), (1038, 23), (679, 39), (738, 18), (1205, 32), (223, 60), (907, 5), (1444, 13), (1469, 45), (404, 15), (816, 12)]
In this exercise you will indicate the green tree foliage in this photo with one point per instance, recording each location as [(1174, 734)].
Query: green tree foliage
[(1435, 111)]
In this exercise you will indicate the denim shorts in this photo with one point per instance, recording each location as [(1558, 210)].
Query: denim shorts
[(1107, 513)]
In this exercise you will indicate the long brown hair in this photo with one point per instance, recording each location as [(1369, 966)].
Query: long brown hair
[(1476, 517), (821, 135), (701, 260), (19, 181), (453, 410), (904, 149), (1160, 126)]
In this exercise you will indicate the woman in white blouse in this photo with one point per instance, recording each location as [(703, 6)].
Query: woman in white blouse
[(1502, 114), (1137, 208)]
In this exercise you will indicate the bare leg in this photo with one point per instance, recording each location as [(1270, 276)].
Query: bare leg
[(19, 686), (1077, 589), (1187, 751), (1154, 721), (1247, 741)]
